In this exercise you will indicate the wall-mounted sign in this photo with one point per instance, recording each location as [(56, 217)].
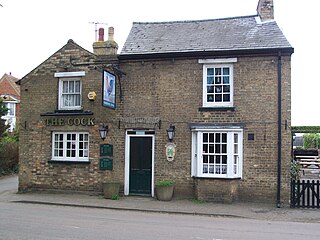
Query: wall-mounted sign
[(109, 90), (170, 151), (106, 164), (106, 150), (70, 121), (92, 96)]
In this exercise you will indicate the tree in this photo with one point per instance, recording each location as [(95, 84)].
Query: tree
[(311, 140), (3, 112)]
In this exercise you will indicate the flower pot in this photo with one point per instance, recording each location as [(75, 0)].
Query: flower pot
[(110, 189), (164, 192)]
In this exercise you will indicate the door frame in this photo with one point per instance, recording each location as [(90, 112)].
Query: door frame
[(139, 133)]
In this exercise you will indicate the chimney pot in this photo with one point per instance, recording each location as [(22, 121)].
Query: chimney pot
[(101, 35), (111, 34)]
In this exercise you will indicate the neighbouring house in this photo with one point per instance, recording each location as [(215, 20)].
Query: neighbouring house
[(219, 89), (10, 95)]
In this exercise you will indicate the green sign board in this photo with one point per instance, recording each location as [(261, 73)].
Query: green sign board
[(106, 164), (106, 150)]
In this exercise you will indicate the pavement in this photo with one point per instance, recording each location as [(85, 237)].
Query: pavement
[(259, 211)]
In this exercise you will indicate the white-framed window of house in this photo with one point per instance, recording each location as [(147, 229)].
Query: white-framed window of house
[(70, 90), (11, 109), (70, 146), (217, 153), (218, 82)]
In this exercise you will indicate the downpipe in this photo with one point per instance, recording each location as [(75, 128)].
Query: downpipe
[(279, 129)]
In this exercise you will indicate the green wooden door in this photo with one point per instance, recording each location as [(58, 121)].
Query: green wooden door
[(140, 165)]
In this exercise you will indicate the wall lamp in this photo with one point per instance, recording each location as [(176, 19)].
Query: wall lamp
[(103, 131), (170, 132)]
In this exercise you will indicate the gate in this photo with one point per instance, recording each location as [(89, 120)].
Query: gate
[(305, 194)]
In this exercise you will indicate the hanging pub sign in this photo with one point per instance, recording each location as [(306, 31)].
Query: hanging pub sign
[(109, 90)]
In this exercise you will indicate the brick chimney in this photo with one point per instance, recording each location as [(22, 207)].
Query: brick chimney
[(265, 10), (108, 47)]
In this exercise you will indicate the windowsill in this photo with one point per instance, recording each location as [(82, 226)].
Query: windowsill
[(218, 178), (214, 109), (67, 113), (68, 162)]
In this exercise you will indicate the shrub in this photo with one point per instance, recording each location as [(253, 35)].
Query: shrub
[(9, 153)]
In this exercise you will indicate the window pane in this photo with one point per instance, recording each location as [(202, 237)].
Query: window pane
[(224, 159), (226, 71), (205, 168), (218, 137), (77, 86), (210, 71), (226, 97), (205, 148), (235, 136), (224, 137), (211, 169), (217, 71), (65, 87), (218, 149), (224, 148), (211, 137), (218, 98), (217, 80), (205, 159), (211, 159), (218, 89), (218, 159), (205, 137), (226, 80), (210, 89), (209, 80), (210, 98), (226, 88), (71, 86), (211, 148)]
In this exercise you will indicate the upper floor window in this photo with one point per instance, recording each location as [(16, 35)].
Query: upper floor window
[(70, 90), (218, 82), (218, 86), (11, 109)]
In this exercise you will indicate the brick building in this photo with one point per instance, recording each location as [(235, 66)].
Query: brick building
[(10, 95), (222, 85)]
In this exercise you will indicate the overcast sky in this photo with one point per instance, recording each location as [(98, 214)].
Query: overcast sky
[(32, 30)]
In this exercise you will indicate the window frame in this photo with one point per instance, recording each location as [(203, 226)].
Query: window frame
[(197, 153), (64, 158), (208, 65), (60, 98), (13, 109)]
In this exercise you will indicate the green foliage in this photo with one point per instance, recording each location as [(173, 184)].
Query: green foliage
[(165, 183), (3, 112), (295, 170), (115, 197), (305, 129), (3, 109), (311, 140), (9, 153)]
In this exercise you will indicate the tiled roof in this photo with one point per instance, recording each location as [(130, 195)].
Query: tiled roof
[(238, 33), (12, 81)]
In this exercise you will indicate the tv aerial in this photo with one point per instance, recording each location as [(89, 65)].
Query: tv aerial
[(96, 28)]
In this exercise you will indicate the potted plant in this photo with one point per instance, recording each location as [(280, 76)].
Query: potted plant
[(164, 190), (110, 189)]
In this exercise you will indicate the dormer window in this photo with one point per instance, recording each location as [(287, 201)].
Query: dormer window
[(70, 90)]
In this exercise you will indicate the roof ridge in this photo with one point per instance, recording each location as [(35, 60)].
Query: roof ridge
[(200, 20)]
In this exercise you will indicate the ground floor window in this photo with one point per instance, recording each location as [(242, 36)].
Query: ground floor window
[(70, 146), (217, 153)]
